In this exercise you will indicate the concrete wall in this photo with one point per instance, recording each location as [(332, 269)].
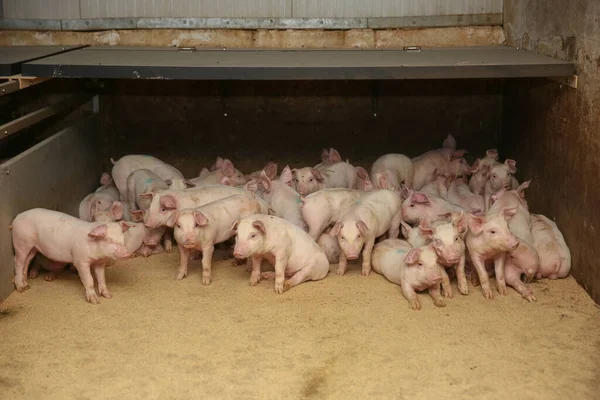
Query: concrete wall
[(558, 129)]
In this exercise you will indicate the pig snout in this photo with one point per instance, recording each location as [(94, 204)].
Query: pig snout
[(352, 256), (121, 252), (435, 278), (189, 241)]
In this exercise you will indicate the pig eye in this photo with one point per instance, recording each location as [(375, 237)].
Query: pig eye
[(420, 264), (494, 176), (252, 235), (358, 237), (311, 180), (163, 209), (493, 231), (343, 237), (412, 204), (179, 226), (456, 238)]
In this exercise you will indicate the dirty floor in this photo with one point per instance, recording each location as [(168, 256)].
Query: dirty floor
[(343, 337)]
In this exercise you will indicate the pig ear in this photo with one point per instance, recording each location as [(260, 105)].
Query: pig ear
[(99, 232), (512, 165), (271, 170), (509, 212), (225, 181), (251, 186), (382, 182), (265, 181), (421, 198), (476, 224), (260, 226), (406, 228), (447, 216), (147, 196), (93, 208), (168, 201), (405, 192), (460, 223), (125, 226), (116, 210), (412, 257), (498, 194), (361, 173), (317, 174), (427, 231), (137, 215), (334, 156), (368, 186), (449, 142), (218, 163), (437, 245), (172, 219), (362, 227), (476, 166), (492, 153), (203, 172), (106, 180), (324, 155), (287, 176), (200, 218), (336, 229), (456, 154), (188, 184), (234, 227), (522, 187), (227, 168)]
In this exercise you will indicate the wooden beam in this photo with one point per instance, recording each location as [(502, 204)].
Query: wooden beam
[(18, 82), (32, 118), (570, 81), (9, 87)]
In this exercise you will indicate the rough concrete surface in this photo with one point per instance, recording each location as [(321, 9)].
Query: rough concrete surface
[(557, 129), (340, 338)]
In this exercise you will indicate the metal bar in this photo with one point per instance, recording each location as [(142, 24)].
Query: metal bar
[(12, 57), (32, 118), (9, 87), (252, 23)]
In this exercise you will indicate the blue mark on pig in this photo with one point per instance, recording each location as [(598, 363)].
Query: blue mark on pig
[(149, 180), (399, 251)]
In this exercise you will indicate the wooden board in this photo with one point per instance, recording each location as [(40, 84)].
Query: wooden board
[(55, 174)]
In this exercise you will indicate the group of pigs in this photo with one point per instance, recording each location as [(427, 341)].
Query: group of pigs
[(303, 219)]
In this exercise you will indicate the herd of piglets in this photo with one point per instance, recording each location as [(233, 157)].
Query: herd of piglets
[(301, 220)]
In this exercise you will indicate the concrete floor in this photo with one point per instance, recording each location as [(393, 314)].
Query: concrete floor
[(343, 337)]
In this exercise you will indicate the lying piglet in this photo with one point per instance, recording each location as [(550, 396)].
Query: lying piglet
[(143, 181), (439, 187), (63, 238), (489, 238), (397, 169), (412, 269), (100, 200), (555, 257), (419, 205), (114, 213), (163, 204), (501, 177), (376, 213), (480, 171), (325, 207), (459, 193), (446, 160), (330, 245), (203, 227), (340, 175), (282, 199), (227, 174), (288, 248)]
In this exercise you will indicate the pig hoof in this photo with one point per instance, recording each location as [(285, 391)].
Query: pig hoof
[(169, 247), (529, 297), (463, 290), (502, 290), (488, 294), (50, 277), (206, 280), (181, 275), (22, 287), (105, 293), (365, 272), (254, 281), (92, 298), (439, 302), (341, 271), (267, 275), (448, 293), (279, 288), (415, 304), (33, 273)]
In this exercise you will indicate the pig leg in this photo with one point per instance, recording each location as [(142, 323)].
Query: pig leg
[(168, 241), (499, 262), (281, 261), (410, 295), (255, 275), (343, 263), (513, 278), (50, 276), (300, 276), (34, 271), (83, 268), (366, 256), (207, 253), (463, 288), (184, 259), (434, 292), (394, 230), (487, 198), (23, 256), (479, 264), (102, 289), (446, 288)]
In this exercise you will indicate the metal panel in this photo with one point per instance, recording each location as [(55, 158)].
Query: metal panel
[(43, 177), (12, 57), (392, 8), (41, 9), (440, 63), (185, 8)]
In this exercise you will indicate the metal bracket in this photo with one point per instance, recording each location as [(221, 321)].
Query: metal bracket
[(570, 81)]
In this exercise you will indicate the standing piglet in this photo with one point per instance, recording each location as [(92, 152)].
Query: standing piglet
[(63, 238), (397, 169), (376, 213), (480, 171), (555, 257), (226, 174), (114, 213), (501, 177), (489, 238), (293, 253), (419, 205), (127, 164), (270, 169), (100, 200), (338, 175), (203, 227), (414, 269), (446, 160), (143, 181), (325, 207), (459, 193)]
